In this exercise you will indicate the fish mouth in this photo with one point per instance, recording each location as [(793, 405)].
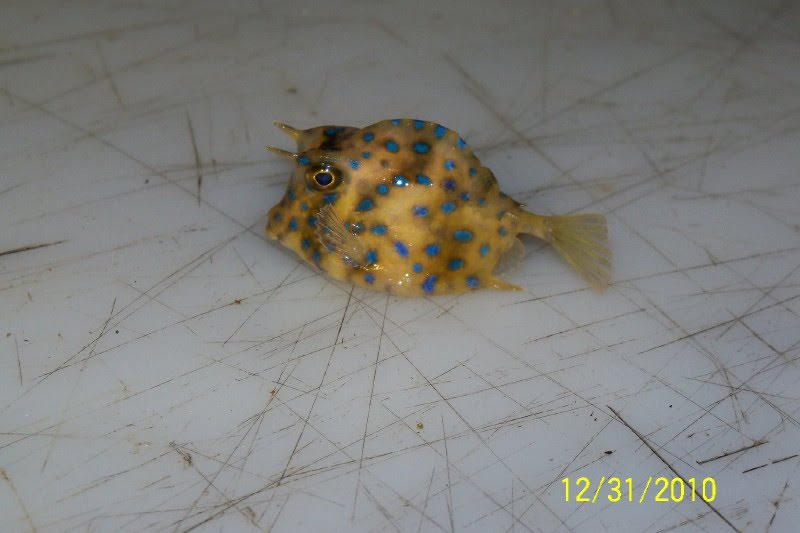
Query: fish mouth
[(271, 232), (272, 225)]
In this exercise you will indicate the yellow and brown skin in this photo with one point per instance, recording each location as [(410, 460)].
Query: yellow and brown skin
[(402, 206)]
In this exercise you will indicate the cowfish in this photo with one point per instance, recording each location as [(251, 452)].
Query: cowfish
[(406, 207)]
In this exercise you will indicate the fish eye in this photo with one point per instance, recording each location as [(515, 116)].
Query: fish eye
[(323, 177)]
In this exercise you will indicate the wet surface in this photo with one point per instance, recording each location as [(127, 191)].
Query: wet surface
[(166, 368)]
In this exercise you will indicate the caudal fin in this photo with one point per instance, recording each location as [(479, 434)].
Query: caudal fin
[(582, 240)]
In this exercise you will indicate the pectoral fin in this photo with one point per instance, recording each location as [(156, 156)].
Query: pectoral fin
[(335, 237)]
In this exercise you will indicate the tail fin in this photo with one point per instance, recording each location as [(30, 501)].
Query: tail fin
[(582, 240)]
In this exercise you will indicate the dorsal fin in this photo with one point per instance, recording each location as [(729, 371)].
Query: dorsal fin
[(483, 183)]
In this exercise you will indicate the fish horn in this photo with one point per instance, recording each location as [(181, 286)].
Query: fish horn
[(294, 133), (280, 152)]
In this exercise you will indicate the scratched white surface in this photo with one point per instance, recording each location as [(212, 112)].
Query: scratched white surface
[(165, 368)]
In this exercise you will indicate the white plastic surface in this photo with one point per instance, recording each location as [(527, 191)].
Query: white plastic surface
[(165, 368)]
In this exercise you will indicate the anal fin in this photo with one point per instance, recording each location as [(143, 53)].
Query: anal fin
[(510, 259), (502, 285)]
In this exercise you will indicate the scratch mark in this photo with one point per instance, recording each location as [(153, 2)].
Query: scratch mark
[(316, 396), (19, 363), (467, 478), (774, 461), (21, 504), (449, 484), (661, 458), (197, 163), (141, 163), (187, 457), (106, 33), (11, 188), (93, 344), (390, 31), (427, 499), (107, 74), (777, 504), (369, 406), (383, 510), (754, 304), (754, 445), (24, 59), (30, 247)]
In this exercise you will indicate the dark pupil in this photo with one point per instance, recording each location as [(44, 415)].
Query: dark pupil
[(323, 178)]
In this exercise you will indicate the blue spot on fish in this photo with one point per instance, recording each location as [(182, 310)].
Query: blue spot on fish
[(455, 264), (464, 196), (312, 221), (365, 155), (501, 214), (417, 267), (291, 195), (396, 121), (354, 164), (378, 229), (368, 136), (450, 185), (303, 160), (449, 164), (303, 206), (421, 147), (462, 235), (473, 282), (440, 131), (502, 231), (422, 179), (330, 132), (305, 244), (420, 211), (432, 250), (418, 124), (448, 207), (372, 257), (429, 284), (277, 216), (315, 256), (293, 224), (365, 204), (401, 248), (392, 146), (369, 278), (400, 181), (484, 250), (382, 188), (472, 171), (357, 227), (329, 198), (461, 143)]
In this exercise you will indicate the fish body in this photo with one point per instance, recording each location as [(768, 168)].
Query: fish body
[(406, 207)]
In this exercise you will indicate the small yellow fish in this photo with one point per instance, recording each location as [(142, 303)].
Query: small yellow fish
[(405, 206)]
